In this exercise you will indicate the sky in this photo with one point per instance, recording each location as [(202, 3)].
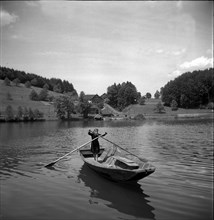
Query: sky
[(94, 44)]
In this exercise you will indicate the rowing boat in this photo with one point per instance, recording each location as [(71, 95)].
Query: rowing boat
[(117, 166)]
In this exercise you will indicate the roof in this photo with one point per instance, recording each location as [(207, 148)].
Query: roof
[(108, 110), (89, 97)]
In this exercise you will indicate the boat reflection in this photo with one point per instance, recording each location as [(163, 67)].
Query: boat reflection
[(125, 198)]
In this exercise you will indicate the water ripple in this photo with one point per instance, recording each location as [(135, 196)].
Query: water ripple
[(180, 188)]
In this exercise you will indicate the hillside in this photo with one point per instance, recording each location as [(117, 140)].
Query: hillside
[(53, 84), (20, 97), (148, 110)]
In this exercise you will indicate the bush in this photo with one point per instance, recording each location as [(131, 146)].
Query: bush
[(25, 114), (43, 95), (139, 117), (20, 113), (46, 86), (142, 100), (27, 84), (159, 108), (16, 81), (34, 82), (33, 95), (210, 105), (36, 113), (202, 106), (50, 98), (174, 105), (9, 113), (31, 115), (6, 81)]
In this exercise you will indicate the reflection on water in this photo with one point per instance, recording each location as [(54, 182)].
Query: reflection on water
[(126, 198)]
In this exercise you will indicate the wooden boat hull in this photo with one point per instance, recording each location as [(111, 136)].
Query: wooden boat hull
[(116, 173)]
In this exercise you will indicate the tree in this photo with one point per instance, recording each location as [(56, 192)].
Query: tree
[(112, 93), (25, 114), (210, 105), (84, 105), (82, 96), (84, 108), (46, 86), (27, 84), (36, 113), (34, 96), (191, 89), (127, 95), (64, 107), (43, 95), (19, 113), (31, 114), (184, 101), (6, 81), (161, 91), (57, 88), (174, 105), (122, 95), (159, 108), (16, 81), (9, 113), (142, 100), (34, 82), (148, 95), (157, 95)]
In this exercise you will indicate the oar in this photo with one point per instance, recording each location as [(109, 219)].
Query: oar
[(52, 163), (124, 149)]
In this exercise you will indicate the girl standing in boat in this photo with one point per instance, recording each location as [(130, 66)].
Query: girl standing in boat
[(95, 146)]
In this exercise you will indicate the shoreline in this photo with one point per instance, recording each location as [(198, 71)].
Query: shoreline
[(162, 116)]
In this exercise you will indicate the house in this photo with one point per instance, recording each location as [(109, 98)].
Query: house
[(94, 110), (109, 111), (95, 99)]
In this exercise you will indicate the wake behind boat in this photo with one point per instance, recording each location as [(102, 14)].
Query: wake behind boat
[(117, 164)]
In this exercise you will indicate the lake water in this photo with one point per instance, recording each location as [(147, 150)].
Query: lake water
[(180, 188)]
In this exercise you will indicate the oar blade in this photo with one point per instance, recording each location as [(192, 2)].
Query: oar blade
[(50, 164)]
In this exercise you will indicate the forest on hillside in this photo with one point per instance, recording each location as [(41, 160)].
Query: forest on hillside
[(190, 90), (53, 84)]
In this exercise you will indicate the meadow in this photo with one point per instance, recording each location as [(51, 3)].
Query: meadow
[(19, 96)]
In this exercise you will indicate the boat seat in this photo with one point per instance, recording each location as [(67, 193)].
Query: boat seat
[(110, 161), (106, 153), (125, 163)]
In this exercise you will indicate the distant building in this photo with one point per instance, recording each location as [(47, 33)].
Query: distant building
[(94, 110), (104, 96), (108, 111), (94, 99)]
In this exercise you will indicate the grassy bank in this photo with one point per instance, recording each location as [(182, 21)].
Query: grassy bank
[(19, 96), (148, 111)]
